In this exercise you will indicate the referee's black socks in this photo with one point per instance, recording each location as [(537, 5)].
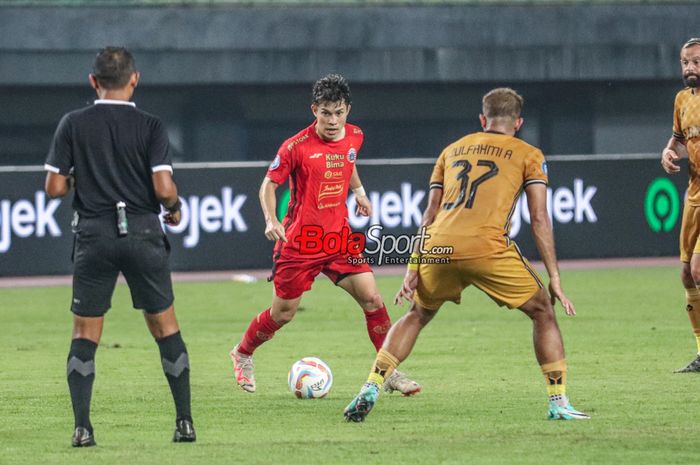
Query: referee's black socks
[(81, 374), (176, 365)]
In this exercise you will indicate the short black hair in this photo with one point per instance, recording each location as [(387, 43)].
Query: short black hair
[(331, 88), (113, 67)]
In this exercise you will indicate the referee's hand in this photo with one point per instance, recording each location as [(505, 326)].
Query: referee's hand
[(274, 231), (172, 218)]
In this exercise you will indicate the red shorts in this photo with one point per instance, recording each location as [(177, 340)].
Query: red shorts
[(293, 276)]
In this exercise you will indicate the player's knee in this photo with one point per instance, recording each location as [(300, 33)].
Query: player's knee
[(541, 314), (686, 275), (372, 301), (539, 307), (87, 328), (284, 315), (422, 315), (546, 311), (163, 323), (161, 329), (284, 318), (694, 274)]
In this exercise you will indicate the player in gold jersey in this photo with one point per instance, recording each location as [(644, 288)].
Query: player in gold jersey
[(686, 141), (473, 190)]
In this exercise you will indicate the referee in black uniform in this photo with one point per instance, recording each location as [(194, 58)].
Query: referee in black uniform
[(119, 159)]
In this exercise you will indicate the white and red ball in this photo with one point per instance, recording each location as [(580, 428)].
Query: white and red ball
[(310, 378)]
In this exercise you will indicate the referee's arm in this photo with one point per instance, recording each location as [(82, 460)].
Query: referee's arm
[(59, 161), (57, 185), (166, 192)]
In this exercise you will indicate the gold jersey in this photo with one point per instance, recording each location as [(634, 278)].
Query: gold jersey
[(686, 128), (482, 176)]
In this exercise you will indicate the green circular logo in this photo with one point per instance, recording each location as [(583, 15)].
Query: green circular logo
[(662, 205), (283, 204)]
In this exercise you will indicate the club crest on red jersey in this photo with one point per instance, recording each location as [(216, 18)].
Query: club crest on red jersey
[(352, 155)]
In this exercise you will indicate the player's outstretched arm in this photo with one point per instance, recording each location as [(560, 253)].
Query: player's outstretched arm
[(674, 151), (544, 239), (274, 230)]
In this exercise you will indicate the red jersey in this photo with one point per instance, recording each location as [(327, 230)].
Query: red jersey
[(319, 174)]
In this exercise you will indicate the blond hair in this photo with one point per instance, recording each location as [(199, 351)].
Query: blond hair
[(502, 102)]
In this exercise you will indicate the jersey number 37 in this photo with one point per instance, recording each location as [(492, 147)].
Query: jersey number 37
[(463, 178)]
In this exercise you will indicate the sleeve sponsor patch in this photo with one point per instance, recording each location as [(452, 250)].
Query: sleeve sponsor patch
[(275, 163)]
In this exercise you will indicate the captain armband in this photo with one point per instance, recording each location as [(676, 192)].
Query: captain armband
[(414, 261)]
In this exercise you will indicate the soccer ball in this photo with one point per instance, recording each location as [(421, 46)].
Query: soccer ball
[(310, 378)]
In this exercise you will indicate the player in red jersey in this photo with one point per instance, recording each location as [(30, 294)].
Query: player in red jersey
[(319, 162)]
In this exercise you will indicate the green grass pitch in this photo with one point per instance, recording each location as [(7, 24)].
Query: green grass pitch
[(483, 399)]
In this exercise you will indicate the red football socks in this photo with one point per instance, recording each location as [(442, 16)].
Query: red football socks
[(260, 330), (378, 324)]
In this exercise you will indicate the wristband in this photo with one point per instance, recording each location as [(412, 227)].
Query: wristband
[(175, 207), (359, 192), (414, 261)]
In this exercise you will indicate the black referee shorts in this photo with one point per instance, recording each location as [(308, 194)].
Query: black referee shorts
[(99, 255)]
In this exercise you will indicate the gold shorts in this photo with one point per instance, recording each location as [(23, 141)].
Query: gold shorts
[(690, 230), (506, 276)]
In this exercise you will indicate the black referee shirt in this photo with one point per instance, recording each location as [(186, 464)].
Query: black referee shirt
[(112, 148)]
